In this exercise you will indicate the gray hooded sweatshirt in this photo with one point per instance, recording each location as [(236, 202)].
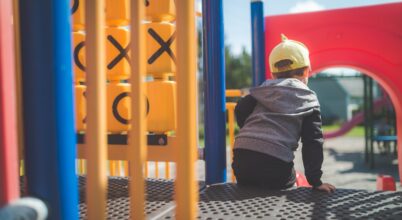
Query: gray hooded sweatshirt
[(274, 126)]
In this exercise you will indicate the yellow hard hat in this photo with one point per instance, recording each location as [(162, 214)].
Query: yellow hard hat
[(291, 50)]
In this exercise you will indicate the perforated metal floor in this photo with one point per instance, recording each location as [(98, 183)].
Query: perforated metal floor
[(159, 197), (228, 201), (232, 202)]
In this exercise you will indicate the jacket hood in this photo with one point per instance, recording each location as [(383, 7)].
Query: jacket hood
[(285, 96)]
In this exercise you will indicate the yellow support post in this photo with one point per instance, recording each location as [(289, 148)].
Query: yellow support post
[(156, 169), (146, 170), (167, 170), (80, 166), (18, 80), (83, 167), (84, 163), (186, 188), (231, 121), (116, 166), (22, 168), (125, 168), (137, 151), (96, 120), (112, 168)]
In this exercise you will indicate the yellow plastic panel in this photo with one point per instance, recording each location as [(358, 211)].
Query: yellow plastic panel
[(118, 107), (117, 53), (79, 56), (168, 152), (117, 12), (80, 107), (160, 10), (161, 106), (78, 13), (161, 48)]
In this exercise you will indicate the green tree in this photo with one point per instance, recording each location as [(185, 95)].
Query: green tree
[(238, 69)]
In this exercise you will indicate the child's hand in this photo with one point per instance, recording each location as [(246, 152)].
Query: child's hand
[(326, 187)]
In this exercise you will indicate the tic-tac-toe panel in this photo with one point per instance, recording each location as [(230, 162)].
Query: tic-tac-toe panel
[(117, 53), (117, 12), (160, 10), (162, 106), (118, 107), (78, 14), (80, 107), (79, 56), (161, 48)]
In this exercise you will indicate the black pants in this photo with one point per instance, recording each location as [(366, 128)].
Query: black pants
[(252, 168)]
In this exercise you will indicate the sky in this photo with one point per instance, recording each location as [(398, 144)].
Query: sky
[(237, 15)]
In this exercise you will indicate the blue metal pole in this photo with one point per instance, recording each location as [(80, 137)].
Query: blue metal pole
[(47, 82), (214, 78), (258, 43)]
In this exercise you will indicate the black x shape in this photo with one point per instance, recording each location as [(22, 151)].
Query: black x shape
[(165, 46), (123, 52)]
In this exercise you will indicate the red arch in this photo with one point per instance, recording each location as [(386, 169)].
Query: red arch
[(364, 38)]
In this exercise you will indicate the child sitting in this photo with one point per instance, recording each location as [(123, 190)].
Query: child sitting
[(272, 120)]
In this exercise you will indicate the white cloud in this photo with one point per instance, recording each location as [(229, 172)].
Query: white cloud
[(306, 6)]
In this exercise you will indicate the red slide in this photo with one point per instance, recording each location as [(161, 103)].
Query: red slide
[(357, 119)]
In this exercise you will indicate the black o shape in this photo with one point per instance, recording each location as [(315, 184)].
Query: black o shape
[(77, 60), (76, 4), (116, 113)]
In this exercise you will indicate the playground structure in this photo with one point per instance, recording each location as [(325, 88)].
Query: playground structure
[(366, 116), (357, 119), (102, 53), (335, 41)]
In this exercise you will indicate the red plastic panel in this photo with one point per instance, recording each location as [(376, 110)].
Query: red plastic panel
[(301, 180), (385, 183), (9, 186), (365, 38)]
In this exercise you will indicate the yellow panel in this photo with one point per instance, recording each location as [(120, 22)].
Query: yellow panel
[(162, 106), (233, 93), (118, 107), (161, 48), (79, 56), (160, 10), (168, 152), (80, 107), (117, 53), (117, 12), (78, 11)]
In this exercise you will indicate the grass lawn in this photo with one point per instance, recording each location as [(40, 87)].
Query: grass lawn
[(357, 131)]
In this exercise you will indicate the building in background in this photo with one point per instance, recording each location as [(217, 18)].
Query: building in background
[(340, 95)]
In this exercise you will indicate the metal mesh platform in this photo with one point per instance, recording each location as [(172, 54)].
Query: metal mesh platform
[(229, 201), (159, 197)]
